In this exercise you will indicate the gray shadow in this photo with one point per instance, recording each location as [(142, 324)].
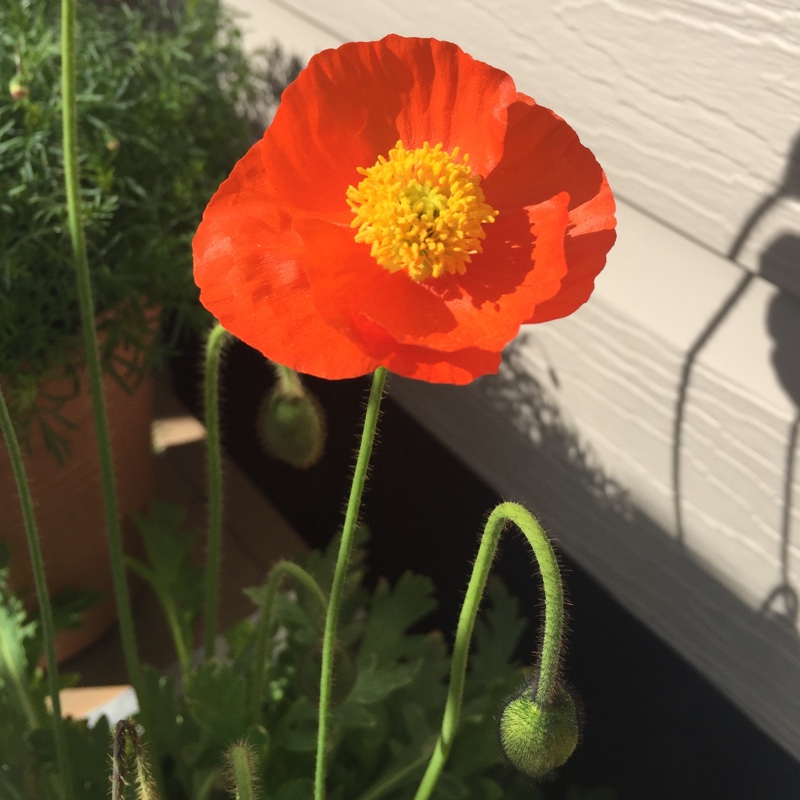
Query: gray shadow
[(778, 261), (783, 318)]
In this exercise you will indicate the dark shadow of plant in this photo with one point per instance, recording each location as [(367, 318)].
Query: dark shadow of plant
[(779, 264), (783, 319), (534, 410)]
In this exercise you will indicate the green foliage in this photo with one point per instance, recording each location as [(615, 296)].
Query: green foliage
[(21, 705), (27, 746), (161, 88), (383, 727), (170, 571)]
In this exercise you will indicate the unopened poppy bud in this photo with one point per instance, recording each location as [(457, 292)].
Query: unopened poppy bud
[(536, 738), (291, 427), (17, 88)]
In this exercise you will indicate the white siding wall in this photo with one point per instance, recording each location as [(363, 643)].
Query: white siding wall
[(656, 430), (692, 106)]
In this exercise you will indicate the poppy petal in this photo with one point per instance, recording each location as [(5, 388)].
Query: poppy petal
[(457, 367), (249, 266), (340, 114), (276, 256), (590, 236), (542, 156)]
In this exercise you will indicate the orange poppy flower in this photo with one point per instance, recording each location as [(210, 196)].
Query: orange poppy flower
[(406, 208)]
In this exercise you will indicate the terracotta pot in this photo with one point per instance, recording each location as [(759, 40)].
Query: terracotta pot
[(68, 497)]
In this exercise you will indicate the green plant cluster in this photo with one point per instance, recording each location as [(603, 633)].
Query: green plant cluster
[(163, 89), (390, 690)]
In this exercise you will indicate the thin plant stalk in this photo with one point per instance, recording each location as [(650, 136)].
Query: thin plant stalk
[(216, 339), (550, 658), (340, 575), (261, 637), (42, 595), (93, 366)]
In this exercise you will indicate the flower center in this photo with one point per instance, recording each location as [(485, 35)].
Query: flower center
[(421, 210)]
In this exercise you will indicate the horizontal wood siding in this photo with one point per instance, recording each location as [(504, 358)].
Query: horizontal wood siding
[(656, 430)]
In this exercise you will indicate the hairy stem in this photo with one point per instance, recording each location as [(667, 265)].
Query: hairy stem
[(289, 380), (549, 662), (93, 365), (127, 745), (340, 574), (216, 339)]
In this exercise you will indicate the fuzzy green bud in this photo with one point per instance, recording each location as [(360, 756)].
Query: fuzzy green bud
[(536, 738), (17, 88), (291, 427), (129, 764), (242, 771)]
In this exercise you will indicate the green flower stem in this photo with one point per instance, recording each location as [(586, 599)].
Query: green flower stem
[(261, 638), (216, 339), (340, 574), (70, 134), (551, 641), (45, 607)]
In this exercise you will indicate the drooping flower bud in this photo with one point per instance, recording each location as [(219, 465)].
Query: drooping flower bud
[(537, 738), (291, 425)]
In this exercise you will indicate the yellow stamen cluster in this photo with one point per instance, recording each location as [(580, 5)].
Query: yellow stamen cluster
[(421, 210)]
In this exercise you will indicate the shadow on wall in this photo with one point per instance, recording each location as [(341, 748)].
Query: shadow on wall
[(779, 264), (783, 319)]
